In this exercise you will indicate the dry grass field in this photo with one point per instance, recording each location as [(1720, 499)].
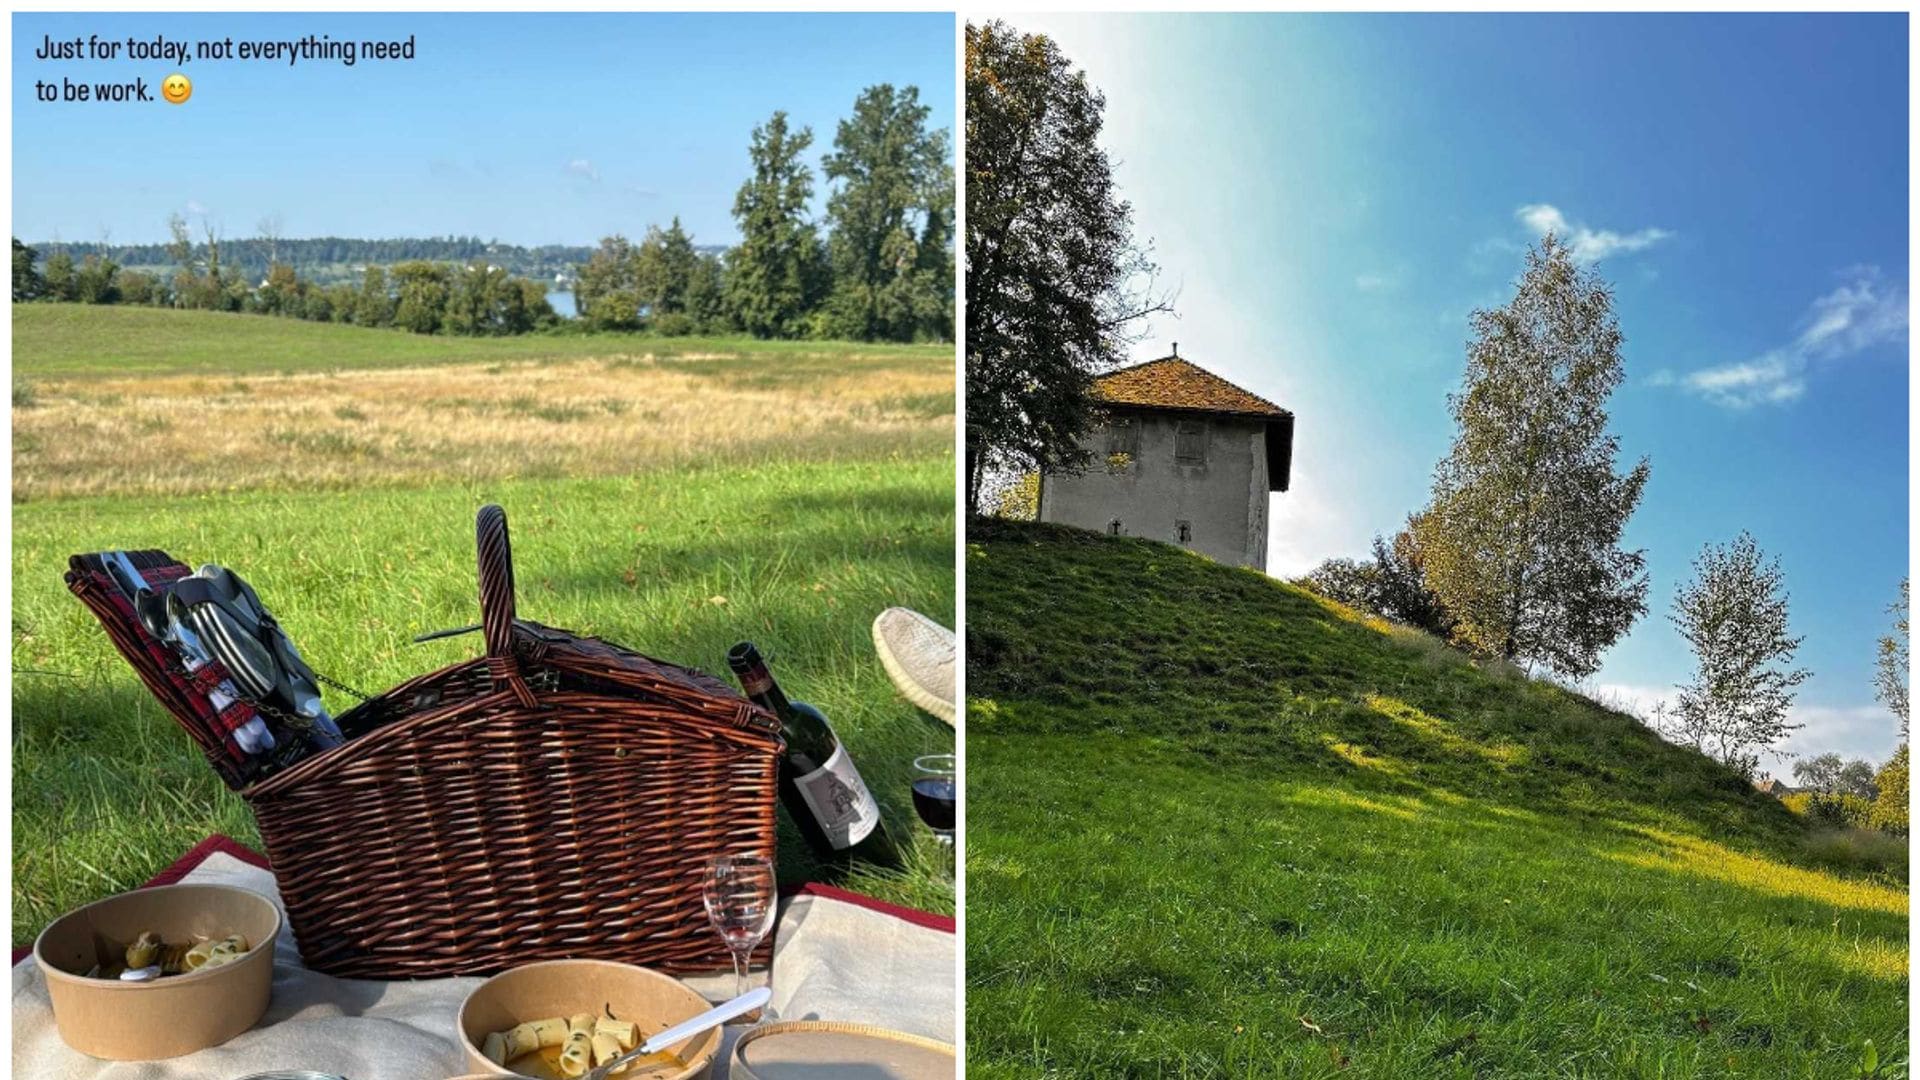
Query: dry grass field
[(166, 434)]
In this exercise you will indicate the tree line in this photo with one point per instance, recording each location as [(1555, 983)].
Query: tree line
[(334, 260), (1517, 556), (475, 299), (878, 266), (881, 269)]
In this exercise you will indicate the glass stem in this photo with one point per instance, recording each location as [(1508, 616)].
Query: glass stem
[(740, 971)]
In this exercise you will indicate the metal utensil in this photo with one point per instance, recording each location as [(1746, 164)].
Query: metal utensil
[(150, 608), (712, 1018)]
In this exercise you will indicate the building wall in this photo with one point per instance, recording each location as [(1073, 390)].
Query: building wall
[(1222, 497)]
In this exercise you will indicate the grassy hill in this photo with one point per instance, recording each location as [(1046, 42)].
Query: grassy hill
[(1219, 827)]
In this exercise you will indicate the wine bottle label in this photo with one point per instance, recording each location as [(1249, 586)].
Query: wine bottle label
[(840, 800), (756, 683)]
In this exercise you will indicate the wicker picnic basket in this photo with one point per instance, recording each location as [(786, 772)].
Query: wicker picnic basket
[(559, 797)]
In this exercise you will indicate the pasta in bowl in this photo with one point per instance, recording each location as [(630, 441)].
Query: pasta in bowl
[(558, 1019)]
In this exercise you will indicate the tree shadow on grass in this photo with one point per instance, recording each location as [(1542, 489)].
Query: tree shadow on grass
[(1719, 947)]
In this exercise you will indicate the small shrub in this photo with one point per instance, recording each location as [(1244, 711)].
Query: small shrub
[(25, 395), (1890, 809), (674, 324), (1858, 851), (1833, 811)]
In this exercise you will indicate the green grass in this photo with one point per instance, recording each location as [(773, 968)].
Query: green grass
[(1218, 827), (107, 790), (77, 341)]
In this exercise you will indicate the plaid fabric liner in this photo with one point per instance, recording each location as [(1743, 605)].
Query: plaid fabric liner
[(188, 696)]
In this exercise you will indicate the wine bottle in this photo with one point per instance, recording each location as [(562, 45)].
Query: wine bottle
[(819, 784)]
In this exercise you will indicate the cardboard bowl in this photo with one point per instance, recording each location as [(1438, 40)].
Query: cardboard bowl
[(795, 1049), (651, 1000), (167, 1017)]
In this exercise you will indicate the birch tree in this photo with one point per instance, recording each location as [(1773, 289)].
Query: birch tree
[(1521, 543), (1890, 672), (1733, 615)]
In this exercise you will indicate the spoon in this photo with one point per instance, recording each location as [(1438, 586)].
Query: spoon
[(712, 1018)]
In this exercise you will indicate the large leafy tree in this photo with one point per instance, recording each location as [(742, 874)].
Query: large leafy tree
[(707, 295), (373, 305), (1054, 278), (889, 221), (1521, 543), (606, 291), (1392, 584), (1733, 615), (663, 269), (777, 274), (27, 283), (1890, 809), (421, 290), (61, 277), (1832, 774), (1890, 671)]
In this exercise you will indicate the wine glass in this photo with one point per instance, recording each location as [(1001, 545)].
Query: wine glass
[(934, 794), (741, 901)]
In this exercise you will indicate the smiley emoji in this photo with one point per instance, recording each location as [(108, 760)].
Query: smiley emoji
[(176, 88)]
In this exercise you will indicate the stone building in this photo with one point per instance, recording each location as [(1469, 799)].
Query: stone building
[(1185, 457)]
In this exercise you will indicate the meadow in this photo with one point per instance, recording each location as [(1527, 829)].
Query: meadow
[(677, 544), (1219, 827), (165, 423)]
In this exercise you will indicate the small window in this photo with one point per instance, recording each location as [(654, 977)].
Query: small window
[(1122, 437), (1113, 527), (1190, 443), (1184, 530)]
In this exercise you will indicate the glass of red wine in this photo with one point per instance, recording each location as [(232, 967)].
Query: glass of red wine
[(741, 900), (934, 794)]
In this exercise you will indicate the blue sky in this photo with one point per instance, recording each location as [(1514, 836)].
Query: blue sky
[(526, 128), (1331, 195)]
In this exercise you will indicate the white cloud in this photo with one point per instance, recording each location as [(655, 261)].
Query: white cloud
[(1862, 313), (1865, 731), (1636, 698), (1304, 528), (196, 208), (1852, 731), (1772, 379), (583, 167), (1587, 245), (1373, 282)]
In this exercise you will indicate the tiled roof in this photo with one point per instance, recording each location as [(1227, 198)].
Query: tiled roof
[(1174, 383)]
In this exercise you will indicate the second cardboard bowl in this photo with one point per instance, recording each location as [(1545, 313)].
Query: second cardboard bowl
[(564, 987), (171, 1016)]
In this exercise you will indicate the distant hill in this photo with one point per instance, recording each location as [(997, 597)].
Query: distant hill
[(1219, 826), (329, 260)]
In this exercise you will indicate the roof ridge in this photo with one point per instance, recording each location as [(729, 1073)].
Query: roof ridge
[(1259, 404), (1136, 365)]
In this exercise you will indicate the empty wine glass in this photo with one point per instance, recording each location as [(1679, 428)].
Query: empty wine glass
[(741, 900), (934, 794)]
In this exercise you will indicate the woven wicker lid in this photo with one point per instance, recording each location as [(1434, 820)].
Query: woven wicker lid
[(830, 1050)]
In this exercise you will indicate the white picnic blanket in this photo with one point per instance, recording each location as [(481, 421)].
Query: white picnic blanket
[(832, 960)]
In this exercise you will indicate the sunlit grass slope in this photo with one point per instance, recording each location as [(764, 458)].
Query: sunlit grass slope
[(1218, 827)]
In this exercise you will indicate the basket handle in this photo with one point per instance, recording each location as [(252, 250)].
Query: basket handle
[(496, 603)]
